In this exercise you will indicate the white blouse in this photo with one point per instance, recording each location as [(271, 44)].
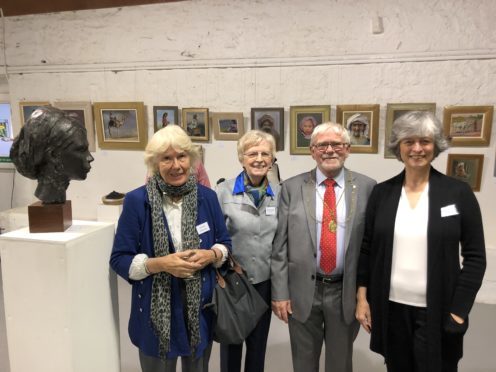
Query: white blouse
[(409, 264)]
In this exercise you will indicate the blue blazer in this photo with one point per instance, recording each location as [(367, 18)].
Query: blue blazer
[(134, 236)]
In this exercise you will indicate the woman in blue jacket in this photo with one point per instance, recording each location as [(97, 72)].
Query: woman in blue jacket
[(170, 236)]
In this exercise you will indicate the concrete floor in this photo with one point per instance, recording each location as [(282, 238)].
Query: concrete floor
[(479, 343)]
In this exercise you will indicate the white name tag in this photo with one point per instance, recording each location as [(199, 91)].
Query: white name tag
[(449, 210), (270, 211), (202, 228)]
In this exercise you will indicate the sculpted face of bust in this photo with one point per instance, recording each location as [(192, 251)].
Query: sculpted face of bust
[(52, 148)]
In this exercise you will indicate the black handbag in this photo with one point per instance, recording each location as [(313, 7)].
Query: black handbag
[(236, 304)]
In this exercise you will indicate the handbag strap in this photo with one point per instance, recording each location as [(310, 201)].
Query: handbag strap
[(233, 264)]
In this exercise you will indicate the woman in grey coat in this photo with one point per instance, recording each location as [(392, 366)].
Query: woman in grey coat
[(249, 203)]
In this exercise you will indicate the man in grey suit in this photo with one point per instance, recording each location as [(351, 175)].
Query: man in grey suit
[(317, 300)]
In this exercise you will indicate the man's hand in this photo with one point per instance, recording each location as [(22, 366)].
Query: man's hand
[(282, 309)]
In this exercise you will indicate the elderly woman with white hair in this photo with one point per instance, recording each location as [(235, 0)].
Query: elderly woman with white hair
[(170, 236), (413, 294), (249, 203)]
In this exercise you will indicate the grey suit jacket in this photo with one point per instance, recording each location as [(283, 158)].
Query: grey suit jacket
[(293, 264)]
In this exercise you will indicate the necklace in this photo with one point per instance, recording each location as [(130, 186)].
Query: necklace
[(333, 224)]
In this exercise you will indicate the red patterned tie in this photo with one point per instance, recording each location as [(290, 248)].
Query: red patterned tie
[(329, 226)]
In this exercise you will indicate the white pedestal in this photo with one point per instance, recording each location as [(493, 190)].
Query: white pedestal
[(61, 299)]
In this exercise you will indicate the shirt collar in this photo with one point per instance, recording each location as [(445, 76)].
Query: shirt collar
[(320, 177), (239, 185)]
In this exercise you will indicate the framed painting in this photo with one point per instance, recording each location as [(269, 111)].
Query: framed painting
[(6, 132), (27, 108), (270, 120), (120, 125), (228, 126), (468, 126), (164, 115), (195, 122), (394, 111), (466, 168), (303, 120), (362, 123), (83, 113)]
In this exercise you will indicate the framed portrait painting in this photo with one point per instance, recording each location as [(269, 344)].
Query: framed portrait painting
[(83, 113), (270, 120), (164, 115), (468, 126), (362, 123), (466, 168), (228, 126), (120, 125), (195, 122), (303, 120), (394, 111), (27, 108)]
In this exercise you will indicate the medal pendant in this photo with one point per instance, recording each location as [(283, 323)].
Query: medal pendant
[(332, 226)]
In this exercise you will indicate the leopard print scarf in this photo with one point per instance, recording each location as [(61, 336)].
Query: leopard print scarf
[(160, 312)]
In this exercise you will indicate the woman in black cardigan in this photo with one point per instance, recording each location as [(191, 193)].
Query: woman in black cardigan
[(413, 295)]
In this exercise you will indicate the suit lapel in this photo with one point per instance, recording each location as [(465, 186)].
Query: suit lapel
[(350, 195), (308, 196)]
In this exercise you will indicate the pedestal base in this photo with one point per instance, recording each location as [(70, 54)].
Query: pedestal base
[(44, 218)]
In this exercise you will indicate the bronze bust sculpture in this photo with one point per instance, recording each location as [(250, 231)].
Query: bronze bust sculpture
[(52, 148)]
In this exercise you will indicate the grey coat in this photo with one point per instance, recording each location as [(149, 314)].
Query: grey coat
[(295, 245), (252, 229)]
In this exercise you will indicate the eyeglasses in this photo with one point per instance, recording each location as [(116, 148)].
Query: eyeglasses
[(336, 146), (255, 154)]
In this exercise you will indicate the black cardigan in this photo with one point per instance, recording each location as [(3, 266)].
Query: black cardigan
[(450, 288)]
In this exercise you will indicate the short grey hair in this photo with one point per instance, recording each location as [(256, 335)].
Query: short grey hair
[(334, 127), (254, 138), (170, 136), (417, 124)]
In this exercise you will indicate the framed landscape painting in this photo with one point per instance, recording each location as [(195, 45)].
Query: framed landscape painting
[(468, 126)]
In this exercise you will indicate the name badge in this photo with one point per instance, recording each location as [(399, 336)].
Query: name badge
[(270, 211), (202, 228), (449, 210)]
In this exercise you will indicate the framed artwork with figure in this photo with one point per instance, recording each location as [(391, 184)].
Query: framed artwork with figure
[(228, 126), (303, 120), (164, 115), (468, 126), (362, 123), (27, 108), (84, 114), (466, 168), (270, 120), (120, 125), (394, 111), (195, 122)]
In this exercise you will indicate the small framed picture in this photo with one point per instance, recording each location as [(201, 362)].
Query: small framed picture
[(270, 120), (394, 111), (120, 125), (466, 168), (468, 126), (228, 126), (164, 115), (303, 120), (83, 113), (195, 123), (27, 108), (362, 123)]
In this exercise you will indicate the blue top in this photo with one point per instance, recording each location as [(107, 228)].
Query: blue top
[(134, 236)]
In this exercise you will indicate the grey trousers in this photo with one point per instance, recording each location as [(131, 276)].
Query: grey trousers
[(188, 364), (325, 324)]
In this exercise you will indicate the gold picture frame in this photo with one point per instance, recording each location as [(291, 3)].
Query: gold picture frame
[(468, 126), (362, 123), (466, 168), (27, 108), (84, 113), (195, 122), (228, 126), (394, 111), (167, 114), (303, 120), (120, 125)]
